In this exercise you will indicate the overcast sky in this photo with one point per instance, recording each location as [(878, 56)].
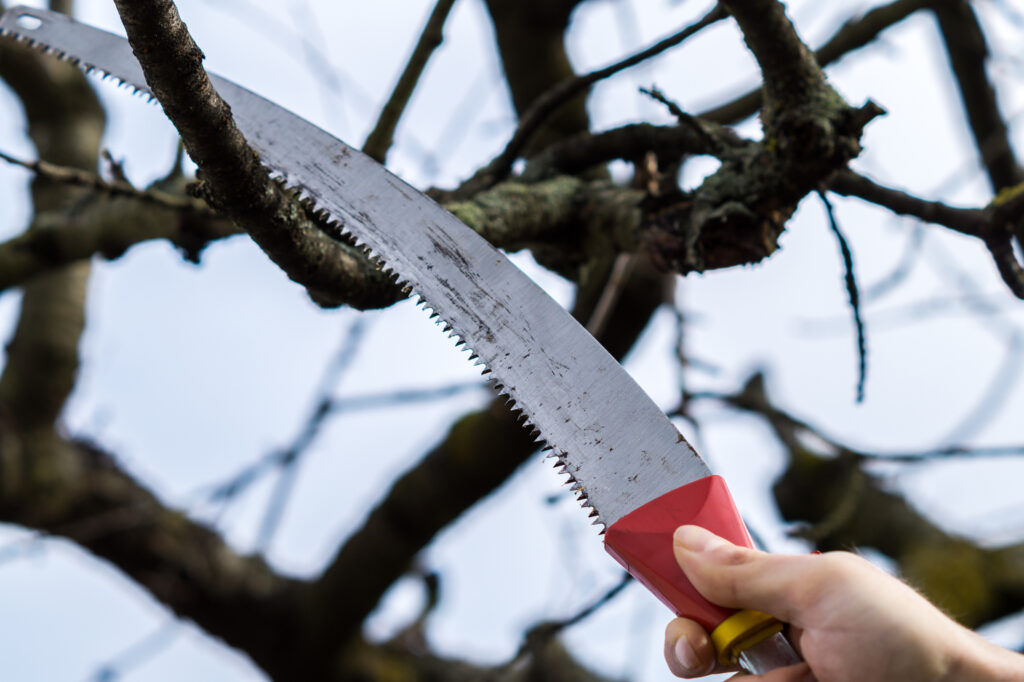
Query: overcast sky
[(191, 373)]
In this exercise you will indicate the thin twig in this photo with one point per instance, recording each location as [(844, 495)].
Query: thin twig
[(288, 460), (80, 178), (228, 490), (539, 635), (379, 141), (853, 35), (684, 118), (851, 290), (551, 100), (1010, 269), (370, 401), (621, 270), (901, 271), (773, 414), (138, 653)]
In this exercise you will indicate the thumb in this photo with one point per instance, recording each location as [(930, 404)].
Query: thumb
[(739, 577)]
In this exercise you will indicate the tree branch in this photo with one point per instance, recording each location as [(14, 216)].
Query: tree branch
[(541, 108), (969, 581), (65, 123), (565, 219), (853, 292), (184, 565), (380, 139), (233, 179), (967, 50), (994, 225), (478, 454), (79, 178), (970, 221), (853, 35), (630, 142)]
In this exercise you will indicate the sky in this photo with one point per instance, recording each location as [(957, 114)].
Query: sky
[(192, 373)]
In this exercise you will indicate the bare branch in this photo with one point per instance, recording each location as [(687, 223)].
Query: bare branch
[(185, 565), (234, 179), (65, 123), (968, 52), (380, 139), (630, 142), (853, 35), (994, 225), (854, 295), (477, 455), (80, 178), (540, 636), (969, 221), (551, 100)]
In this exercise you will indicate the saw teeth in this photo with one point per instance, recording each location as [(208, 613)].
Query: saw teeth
[(338, 224)]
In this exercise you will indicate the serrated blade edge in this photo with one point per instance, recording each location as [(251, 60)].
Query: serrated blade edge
[(615, 443)]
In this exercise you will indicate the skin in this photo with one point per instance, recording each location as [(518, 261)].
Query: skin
[(849, 620)]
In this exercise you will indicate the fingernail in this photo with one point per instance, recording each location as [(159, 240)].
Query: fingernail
[(697, 539), (686, 654)]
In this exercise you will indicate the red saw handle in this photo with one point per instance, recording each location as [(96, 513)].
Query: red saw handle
[(642, 542)]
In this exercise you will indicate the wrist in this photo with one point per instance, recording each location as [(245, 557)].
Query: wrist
[(982, 661)]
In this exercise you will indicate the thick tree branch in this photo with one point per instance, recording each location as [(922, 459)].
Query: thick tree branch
[(967, 50), (853, 35), (792, 78), (232, 176), (105, 227), (192, 571), (184, 565), (565, 220), (65, 122), (738, 213)]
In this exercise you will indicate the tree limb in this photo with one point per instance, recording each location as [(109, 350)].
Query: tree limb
[(853, 35), (478, 454), (994, 225), (234, 181), (970, 221), (540, 109), (738, 213), (967, 50), (380, 139)]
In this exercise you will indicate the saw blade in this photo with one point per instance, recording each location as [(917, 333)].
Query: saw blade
[(616, 444)]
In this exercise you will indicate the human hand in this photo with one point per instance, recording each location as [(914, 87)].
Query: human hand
[(849, 620)]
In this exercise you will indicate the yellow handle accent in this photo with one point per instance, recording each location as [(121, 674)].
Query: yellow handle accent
[(740, 631)]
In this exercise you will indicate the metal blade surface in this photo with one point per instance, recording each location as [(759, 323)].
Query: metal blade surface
[(615, 442)]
